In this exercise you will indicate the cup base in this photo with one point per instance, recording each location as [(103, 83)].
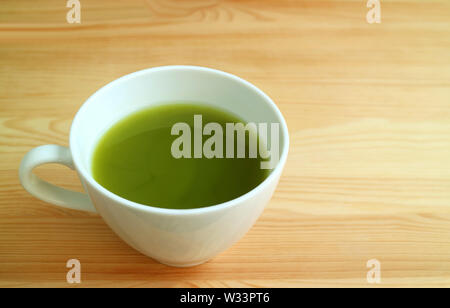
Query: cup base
[(181, 265)]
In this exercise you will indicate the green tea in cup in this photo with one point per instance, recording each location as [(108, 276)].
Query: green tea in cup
[(135, 159)]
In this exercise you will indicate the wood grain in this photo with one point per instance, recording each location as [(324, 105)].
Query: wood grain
[(368, 108)]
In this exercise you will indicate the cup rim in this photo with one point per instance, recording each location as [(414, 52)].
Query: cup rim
[(87, 176)]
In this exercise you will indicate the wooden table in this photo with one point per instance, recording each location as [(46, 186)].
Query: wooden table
[(367, 105)]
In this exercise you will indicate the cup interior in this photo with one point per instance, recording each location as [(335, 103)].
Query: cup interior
[(164, 85)]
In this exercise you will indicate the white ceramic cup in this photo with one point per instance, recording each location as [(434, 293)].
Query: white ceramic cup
[(171, 236)]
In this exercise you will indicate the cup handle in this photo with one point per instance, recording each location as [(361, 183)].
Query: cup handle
[(45, 191)]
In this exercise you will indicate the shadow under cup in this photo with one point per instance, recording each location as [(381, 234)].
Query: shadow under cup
[(175, 237)]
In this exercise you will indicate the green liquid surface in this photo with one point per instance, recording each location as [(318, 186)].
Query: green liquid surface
[(133, 159)]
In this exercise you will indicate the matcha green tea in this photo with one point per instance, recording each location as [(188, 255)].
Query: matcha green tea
[(133, 159)]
